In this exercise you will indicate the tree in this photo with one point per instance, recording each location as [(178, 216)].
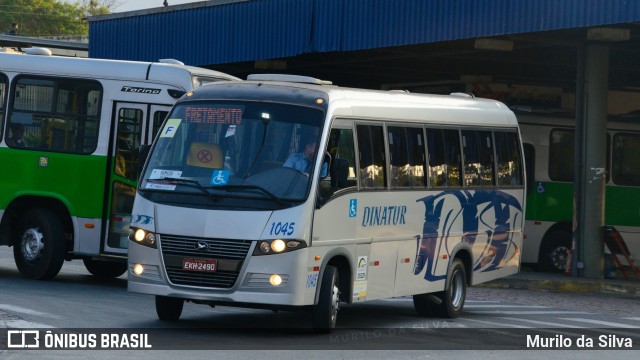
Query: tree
[(98, 7), (51, 17)]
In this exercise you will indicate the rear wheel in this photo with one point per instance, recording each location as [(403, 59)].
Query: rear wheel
[(105, 269), (453, 297), (554, 251), (40, 247), (325, 313), (169, 308)]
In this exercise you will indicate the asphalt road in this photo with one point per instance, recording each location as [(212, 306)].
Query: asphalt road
[(76, 302)]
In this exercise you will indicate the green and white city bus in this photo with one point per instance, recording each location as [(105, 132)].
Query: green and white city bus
[(70, 129), (549, 152)]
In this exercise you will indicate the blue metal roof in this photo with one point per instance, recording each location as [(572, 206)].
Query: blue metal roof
[(217, 32)]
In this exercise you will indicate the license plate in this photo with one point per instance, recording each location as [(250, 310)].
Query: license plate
[(201, 265)]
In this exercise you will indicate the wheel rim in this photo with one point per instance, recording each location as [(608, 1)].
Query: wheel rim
[(457, 289), (32, 245), (335, 303), (558, 257)]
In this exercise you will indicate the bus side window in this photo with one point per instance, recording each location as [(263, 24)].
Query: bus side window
[(58, 114), (345, 150), (372, 171), (444, 158), (626, 163), (453, 157), (406, 156), (508, 159), (561, 149), (478, 158), (485, 148), (437, 164), (343, 165)]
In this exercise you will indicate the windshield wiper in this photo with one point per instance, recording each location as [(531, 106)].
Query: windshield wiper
[(205, 190), (271, 195), (194, 183)]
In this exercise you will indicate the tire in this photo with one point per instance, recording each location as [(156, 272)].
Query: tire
[(325, 313), (169, 308), (105, 269), (453, 297), (40, 247), (554, 251)]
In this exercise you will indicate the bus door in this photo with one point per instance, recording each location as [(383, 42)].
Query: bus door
[(129, 133)]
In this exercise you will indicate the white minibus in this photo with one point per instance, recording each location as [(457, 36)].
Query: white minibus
[(286, 192)]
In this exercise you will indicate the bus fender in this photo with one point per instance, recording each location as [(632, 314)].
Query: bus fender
[(338, 257), (26, 200), (463, 251), (44, 197)]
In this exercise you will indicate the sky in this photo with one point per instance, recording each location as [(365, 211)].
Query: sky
[(130, 5)]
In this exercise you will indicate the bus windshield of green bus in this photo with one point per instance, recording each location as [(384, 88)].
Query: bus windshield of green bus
[(236, 149)]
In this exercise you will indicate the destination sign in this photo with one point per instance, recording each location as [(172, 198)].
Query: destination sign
[(231, 115)]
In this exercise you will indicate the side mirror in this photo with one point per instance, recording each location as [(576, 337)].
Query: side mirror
[(324, 184), (143, 153)]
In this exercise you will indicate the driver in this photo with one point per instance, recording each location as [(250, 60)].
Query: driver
[(303, 161)]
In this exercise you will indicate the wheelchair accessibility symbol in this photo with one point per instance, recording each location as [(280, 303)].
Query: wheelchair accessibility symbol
[(220, 177), (353, 207)]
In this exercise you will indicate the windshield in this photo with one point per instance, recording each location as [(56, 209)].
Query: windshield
[(237, 149)]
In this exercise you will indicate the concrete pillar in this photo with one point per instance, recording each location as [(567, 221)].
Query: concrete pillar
[(578, 165), (590, 244)]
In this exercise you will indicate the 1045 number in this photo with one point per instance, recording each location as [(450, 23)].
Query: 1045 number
[(280, 228)]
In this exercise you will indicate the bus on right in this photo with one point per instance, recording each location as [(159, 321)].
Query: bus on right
[(548, 144)]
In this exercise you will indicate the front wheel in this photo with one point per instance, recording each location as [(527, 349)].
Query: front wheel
[(169, 308), (325, 313), (40, 247), (554, 251), (104, 269)]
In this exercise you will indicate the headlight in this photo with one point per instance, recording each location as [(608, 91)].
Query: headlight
[(277, 246), (139, 235), (142, 237)]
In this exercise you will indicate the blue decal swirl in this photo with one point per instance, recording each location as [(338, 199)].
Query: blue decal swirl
[(492, 211)]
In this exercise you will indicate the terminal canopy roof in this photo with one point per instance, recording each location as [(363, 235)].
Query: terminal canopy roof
[(374, 42)]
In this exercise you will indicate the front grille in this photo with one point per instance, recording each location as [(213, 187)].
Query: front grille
[(218, 279), (217, 248), (229, 253)]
